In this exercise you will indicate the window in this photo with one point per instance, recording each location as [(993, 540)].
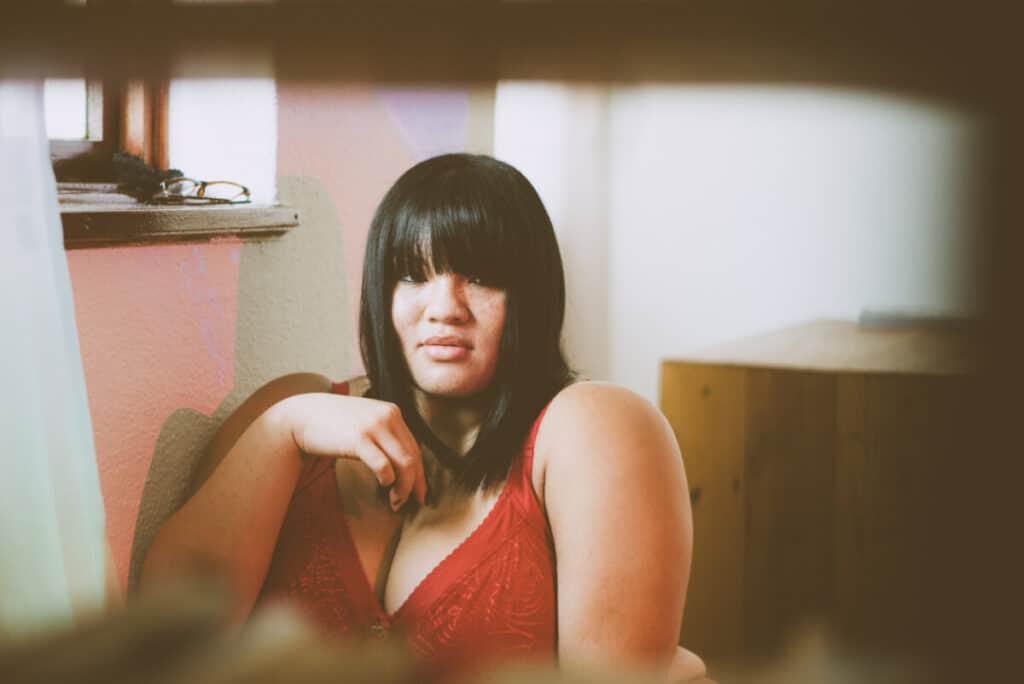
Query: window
[(87, 121), (74, 109)]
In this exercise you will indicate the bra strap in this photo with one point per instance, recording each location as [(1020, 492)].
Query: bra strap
[(528, 449)]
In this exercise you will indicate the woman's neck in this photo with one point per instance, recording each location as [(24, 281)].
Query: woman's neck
[(455, 421)]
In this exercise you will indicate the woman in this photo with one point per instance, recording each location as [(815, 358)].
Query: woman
[(467, 494)]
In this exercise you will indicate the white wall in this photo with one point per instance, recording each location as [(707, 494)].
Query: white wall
[(737, 210), (225, 128), (558, 136)]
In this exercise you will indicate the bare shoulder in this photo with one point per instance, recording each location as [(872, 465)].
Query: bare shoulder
[(592, 396), (605, 427), (596, 410)]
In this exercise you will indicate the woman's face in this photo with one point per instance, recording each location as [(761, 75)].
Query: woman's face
[(450, 329)]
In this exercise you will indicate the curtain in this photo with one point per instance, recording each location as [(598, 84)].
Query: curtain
[(52, 546)]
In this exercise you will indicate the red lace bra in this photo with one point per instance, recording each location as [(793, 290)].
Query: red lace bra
[(490, 600)]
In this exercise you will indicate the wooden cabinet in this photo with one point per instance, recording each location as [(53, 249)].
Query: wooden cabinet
[(814, 457)]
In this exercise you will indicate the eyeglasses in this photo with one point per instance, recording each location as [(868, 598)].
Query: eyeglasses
[(181, 190)]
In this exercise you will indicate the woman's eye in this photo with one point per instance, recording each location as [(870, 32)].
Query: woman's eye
[(410, 279)]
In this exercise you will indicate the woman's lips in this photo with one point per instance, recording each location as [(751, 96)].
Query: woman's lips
[(443, 352), (446, 348)]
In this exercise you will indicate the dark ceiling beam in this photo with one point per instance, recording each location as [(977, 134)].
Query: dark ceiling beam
[(935, 50)]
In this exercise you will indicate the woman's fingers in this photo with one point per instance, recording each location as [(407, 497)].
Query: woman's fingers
[(368, 430), (412, 446), (405, 463), (375, 459)]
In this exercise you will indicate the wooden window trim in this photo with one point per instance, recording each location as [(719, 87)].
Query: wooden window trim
[(142, 121), (99, 215)]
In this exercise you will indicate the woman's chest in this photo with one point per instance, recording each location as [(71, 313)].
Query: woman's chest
[(460, 584), (429, 539), (398, 554)]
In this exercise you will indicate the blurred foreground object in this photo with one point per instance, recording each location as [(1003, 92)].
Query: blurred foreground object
[(51, 511), (183, 633), (812, 657)]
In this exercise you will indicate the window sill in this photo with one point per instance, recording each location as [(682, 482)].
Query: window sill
[(96, 215)]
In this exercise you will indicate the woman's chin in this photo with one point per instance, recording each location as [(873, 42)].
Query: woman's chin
[(451, 385)]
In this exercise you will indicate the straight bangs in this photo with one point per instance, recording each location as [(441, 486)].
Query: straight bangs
[(453, 229)]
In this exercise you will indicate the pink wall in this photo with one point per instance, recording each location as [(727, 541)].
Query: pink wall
[(156, 328), (158, 324), (357, 139)]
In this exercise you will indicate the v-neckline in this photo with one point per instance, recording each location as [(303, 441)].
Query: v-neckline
[(419, 587)]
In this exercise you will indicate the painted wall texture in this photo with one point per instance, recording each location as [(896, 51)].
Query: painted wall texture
[(173, 338), (358, 138), (750, 208)]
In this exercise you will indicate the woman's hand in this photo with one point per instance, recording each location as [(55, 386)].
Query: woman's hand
[(358, 428)]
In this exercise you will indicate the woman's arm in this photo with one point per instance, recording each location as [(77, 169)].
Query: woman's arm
[(245, 483), (240, 493), (616, 497)]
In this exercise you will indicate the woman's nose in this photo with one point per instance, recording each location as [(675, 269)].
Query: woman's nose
[(446, 299)]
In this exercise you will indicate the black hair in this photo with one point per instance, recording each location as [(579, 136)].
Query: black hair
[(479, 217)]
